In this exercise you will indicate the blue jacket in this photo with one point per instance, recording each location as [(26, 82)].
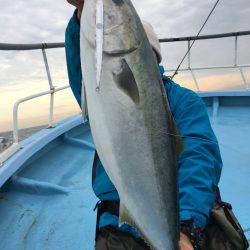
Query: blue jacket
[(200, 161)]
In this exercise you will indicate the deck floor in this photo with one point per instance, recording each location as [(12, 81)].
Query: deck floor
[(35, 217)]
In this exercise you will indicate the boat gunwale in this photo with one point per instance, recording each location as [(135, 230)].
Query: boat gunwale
[(35, 143)]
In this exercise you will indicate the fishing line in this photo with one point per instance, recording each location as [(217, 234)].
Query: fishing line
[(184, 57), (222, 145), (210, 141), (191, 137)]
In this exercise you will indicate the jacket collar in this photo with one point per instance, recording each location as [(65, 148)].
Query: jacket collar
[(161, 69), (165, 79)]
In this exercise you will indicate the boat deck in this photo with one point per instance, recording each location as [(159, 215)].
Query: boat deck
[(49, 203)]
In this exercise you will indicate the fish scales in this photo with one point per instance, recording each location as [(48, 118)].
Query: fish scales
[(130, 121)]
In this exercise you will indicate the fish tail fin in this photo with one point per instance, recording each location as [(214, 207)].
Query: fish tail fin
[(126, 218)]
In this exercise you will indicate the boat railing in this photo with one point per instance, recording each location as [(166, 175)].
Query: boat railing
[(192, 69), (52, 89)]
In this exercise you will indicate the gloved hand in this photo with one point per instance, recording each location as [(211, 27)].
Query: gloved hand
[(185, 243), (79, 5)]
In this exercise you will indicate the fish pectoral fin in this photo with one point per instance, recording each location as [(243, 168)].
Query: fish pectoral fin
[(125, 80), (84, 103)]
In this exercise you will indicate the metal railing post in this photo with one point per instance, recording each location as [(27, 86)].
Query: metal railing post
[(5, 155), (189, 55), (243, 77), (18, 102), (15, 123), (236, 61), (47, 68), (51, 112), (236, 51), (216, 105), (195, 80), (52, 88), (189, 67)]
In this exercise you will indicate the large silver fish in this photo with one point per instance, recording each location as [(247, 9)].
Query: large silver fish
[(130, 119)]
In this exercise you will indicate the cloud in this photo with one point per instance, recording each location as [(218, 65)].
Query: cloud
[(34, 21), (29, 21)]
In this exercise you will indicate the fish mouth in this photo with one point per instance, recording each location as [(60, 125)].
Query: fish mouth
[(120, 52)]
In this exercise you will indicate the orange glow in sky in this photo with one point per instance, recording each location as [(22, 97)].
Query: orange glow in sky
[(35, 112)]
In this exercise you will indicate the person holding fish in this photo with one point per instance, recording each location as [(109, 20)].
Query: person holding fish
[(199, 163)]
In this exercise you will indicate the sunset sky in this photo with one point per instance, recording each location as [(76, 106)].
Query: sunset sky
[(35, 21)]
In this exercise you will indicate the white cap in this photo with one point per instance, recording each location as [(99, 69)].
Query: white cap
[(153, 39)]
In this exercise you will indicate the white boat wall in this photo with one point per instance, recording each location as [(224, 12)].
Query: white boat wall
[(46, 197)]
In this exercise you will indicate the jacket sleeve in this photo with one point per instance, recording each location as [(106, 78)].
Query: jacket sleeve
[(72, 47), (200, 161)]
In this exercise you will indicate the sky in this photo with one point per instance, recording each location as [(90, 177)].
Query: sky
[(36, 21)]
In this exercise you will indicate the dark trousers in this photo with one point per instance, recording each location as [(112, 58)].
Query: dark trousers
[(110, 238)]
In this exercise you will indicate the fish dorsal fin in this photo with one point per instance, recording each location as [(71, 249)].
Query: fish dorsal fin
[(125, 80)]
